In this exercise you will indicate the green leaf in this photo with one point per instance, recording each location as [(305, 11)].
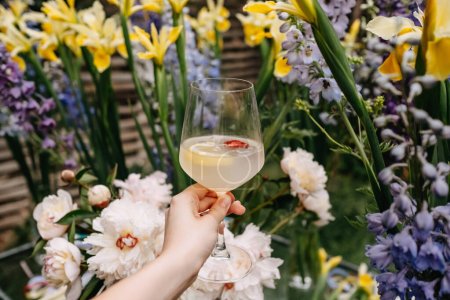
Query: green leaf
[(293, 133), (71, 235), (112, 175), (81, 172), (91, 287), (77, 215), (87, 179), (40, 244)]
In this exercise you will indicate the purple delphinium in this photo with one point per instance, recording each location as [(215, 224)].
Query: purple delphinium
[(396, 7), (23, 110)]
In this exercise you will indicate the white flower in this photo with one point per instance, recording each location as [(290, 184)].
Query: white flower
[(130, 235), (319, 203), (327, 87), (265, 269), (49, 211), (152, 189), (308, 179), (61, 262), (99, 195), (307, 176)]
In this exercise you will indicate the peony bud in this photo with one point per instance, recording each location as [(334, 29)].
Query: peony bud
[(99, 196), (68, 176)]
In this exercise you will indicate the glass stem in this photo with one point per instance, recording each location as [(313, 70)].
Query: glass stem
[(220, 250)]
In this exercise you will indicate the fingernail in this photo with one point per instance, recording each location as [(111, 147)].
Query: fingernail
[(225, 202)]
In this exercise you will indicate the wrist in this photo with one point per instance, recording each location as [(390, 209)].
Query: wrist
[(185, 263)]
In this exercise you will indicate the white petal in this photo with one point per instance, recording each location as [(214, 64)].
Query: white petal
[(386, 27)]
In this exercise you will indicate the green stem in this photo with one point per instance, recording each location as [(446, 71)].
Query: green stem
[(334, 55), (319, 288), (33, 59), (267, 202), (162, 92), (141, 94), (178, 20), (327, 135), (284, 222), (266, 74)]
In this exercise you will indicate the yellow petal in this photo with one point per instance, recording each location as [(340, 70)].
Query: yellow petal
[(306, 8), (145, 55), (281, 67), (122, 49), (387, 28), (391, 67), (174, 33), (438, 64), (260, 7), (101, 60), (47, 53), (20, 62), (223, 26)]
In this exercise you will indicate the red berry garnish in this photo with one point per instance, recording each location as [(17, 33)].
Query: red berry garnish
[(236, 144)]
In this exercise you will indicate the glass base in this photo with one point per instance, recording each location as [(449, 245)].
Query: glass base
[(227, 270)]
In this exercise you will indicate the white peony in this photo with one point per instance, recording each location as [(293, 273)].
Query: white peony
[(130, 234), (265, 269), (319, 203), (49, 211), (152, 188), (307, 176), (61, 262), (99, 195), (264, 272), (308, 180)]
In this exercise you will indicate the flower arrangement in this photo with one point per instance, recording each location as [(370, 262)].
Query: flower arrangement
[(367, 82)]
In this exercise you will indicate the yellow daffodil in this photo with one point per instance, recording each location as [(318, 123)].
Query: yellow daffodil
[(59, 10), (436, 38), (129, 7), (157, 44), (210, 19), (178, 5), (60, 16), (366, 282), (16, 42), (102, 36), (256, 26), (326, 265), (402, 29), (303, 9), (17, 7)]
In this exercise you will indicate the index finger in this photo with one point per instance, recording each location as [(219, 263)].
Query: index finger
[(197, 190)]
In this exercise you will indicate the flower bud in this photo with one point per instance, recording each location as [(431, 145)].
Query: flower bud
[(68, 176), (419, 114), (387, 134), (99, 196), (283, 16), (285, 27), (401, 108), (399, 152), (389, 219), (440, 187), (386, 176), (380, 121), (445, 133), (443, 168), (429, 171), (436, 125)]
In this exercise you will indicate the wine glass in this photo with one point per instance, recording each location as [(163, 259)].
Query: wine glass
[(221, 148)]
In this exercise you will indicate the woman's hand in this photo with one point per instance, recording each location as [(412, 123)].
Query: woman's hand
[(188, 241), (189, 235)]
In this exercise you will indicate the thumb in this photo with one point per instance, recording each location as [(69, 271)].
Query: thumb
[(219, 210)]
